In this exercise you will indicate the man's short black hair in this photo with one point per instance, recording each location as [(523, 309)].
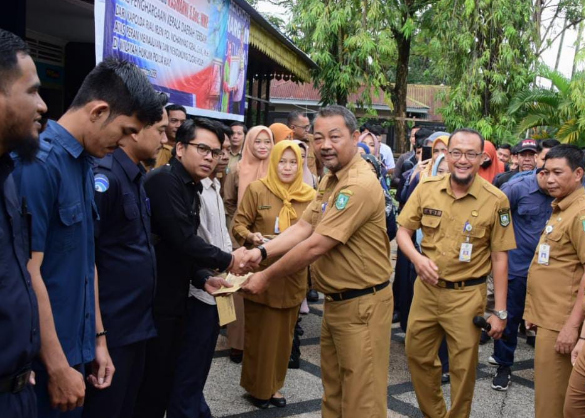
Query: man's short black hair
[(420, 136), (124, 87), (293, 117), (467, 131), (10, 46), (547, 144), (371, 127), (336, 110), (571, 153), (172, 107), (187, 132), (227, 130), (505, 146), (242, 124)]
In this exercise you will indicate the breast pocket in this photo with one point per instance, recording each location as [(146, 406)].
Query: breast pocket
[(532, 215), (131, 210), (71, 216), (430, 224)]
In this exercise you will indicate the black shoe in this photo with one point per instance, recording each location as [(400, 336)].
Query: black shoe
[(531, 340), (278, 402), (236, 355), (396, 317), (312, 296), (445, 378), (260, 403), (484, 339), (501, 380), (294, 363)]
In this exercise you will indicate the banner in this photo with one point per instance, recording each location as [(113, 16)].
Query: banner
[(196, 51)]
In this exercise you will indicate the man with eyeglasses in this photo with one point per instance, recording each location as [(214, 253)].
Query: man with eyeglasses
[(301, 126), (177, 115), (182, 257), (467, 233)]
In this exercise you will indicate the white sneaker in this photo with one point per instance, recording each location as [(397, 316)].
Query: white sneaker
[(492, 361), (304, 307)]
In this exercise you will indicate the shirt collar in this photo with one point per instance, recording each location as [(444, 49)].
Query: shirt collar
[(183, 174), (474, 190), (533, 186), (67, 141), (6, 167), (343, 172), (568, 200), (132, 170)]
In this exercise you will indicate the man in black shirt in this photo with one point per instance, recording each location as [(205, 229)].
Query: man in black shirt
[(182, 256)]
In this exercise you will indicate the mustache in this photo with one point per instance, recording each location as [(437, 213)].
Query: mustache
[(327, 153)]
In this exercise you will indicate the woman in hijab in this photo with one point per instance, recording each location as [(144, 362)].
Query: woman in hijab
[(372, 142), (270, 206), (281, 132), (491, 166), (252, 166)]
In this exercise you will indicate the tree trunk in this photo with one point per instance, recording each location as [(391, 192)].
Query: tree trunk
[(400, 90)]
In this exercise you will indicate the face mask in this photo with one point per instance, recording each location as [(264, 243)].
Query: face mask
[(486, 164)]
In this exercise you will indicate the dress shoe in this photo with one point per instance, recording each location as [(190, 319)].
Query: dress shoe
[(260, 403), (396, 317), (531, 340), (294, 362), (445, 378), (485, 338), (236, 355), (312, 296), (278, 402)]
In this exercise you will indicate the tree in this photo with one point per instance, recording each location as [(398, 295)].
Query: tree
[(559, 111)]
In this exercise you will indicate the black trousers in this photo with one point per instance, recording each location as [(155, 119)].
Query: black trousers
[(19, 405), (119, 399), (198, 345), (160, 365)]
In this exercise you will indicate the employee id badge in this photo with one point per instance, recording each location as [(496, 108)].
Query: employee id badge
[(465, 252), (543, 254)]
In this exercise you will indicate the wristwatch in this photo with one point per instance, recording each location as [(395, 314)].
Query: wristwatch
[(503, 315), (263, 252)]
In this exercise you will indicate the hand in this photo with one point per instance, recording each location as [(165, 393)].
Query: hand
[(255, 238), (427, 270), (252, 257), (102, 367), (256, 284), (530, 326), (66, 389), (237, 266), (213, 284), (567, 339), (498, 327), (576, 351)]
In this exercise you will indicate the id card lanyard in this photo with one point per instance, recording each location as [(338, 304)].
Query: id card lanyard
[(466, 247), (544, 248)]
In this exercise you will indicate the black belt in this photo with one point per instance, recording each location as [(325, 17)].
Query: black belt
[(350, 294), (15, 383), (460, 285)]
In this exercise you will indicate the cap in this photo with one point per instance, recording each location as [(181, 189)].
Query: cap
[(527, 145)]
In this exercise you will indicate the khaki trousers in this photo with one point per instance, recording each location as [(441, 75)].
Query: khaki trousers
[(236, 329), (551, 375), (575, 397), (438, 312), (355, 355)]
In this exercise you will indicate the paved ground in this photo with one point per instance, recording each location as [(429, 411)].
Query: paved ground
[(303, 387)]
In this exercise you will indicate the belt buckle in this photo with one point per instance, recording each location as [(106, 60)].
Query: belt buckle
[(20, 381), (459, 285), (328, 298), (442, 283)]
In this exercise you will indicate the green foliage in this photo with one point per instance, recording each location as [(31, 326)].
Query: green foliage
[(556, 112)]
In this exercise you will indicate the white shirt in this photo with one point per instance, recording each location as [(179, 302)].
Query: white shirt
[(212, 227), (387, 156)]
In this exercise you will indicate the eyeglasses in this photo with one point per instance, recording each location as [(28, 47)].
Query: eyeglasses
[(470, 155), (205, 150), (306, 127)]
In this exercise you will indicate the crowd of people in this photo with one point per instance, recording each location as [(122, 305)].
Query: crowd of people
[(119, 221)]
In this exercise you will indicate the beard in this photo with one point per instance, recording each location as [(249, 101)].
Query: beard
[(486, 164), (25, 145), (461, 181)]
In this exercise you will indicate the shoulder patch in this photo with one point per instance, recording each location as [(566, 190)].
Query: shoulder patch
[(341, 201), (504, 215), (101, 183)]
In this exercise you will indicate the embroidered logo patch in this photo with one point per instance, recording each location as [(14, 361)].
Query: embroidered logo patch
[(504, 217), (341, 201), (101, 183)]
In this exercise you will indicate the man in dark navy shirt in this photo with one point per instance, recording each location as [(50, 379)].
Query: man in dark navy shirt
[(126, 266), (21, 108), (115, 100), (531, 208), (181, 255)]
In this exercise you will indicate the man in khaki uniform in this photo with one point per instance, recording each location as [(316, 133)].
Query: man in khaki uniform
[(177, 115), (343, 234), (554, 296), (467, 232), (300, 125), (239, 132)]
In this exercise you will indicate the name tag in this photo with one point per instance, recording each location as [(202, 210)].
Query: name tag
[(264, 207), (465, 252), (432, 212), (543, 254)]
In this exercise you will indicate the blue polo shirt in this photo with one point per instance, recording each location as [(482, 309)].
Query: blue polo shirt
[(58, 186), (531, 209), (19, 314), (125, 257)]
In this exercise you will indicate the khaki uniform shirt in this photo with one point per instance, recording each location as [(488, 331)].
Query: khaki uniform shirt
[(443, 219), (233, 163), (349, 207), (552, 289), (258, 212), (230, 192), (312, 162), (164, 155)]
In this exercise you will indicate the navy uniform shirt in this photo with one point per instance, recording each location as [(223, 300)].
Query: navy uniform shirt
[(125, 257), (58, 187), (19, 314), (181, 255), (531, 209)]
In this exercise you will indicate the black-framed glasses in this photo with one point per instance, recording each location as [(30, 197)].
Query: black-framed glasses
[(470, 155), (204, 150), (306, 127)]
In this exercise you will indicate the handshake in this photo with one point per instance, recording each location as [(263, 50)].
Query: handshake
[(244, 261)]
